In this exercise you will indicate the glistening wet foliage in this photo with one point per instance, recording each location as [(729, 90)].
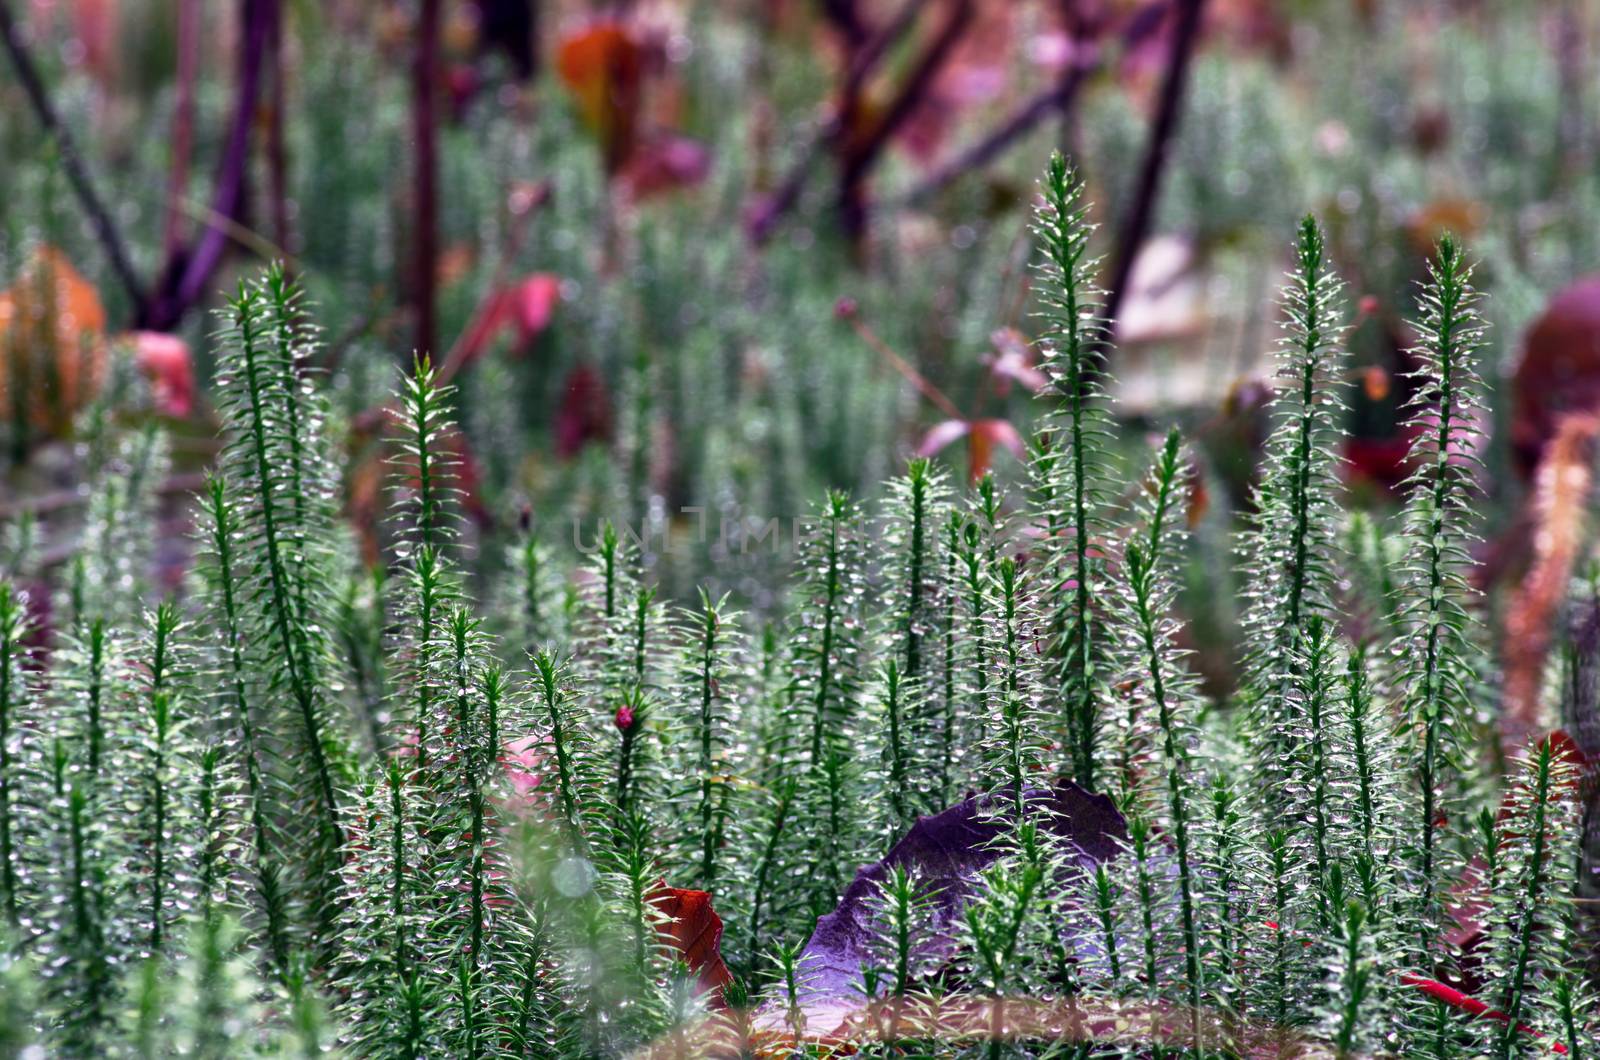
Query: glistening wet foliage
[(960, 795)]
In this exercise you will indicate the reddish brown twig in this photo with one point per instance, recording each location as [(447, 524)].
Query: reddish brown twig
[(844, 17), (860, 158), (1169, 110), (907, 371), (77, 170), (68, 499), (188, 70), (863, 61), (425, 122), (1056, 98)]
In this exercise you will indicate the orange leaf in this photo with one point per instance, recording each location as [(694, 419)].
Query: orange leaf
[(695, 932), (1458, 216), (52, 331), (982, 436), (603, 67), (986, 434)]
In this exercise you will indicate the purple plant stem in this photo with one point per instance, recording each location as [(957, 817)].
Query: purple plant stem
[(1058, 98), (1169, 110), (277, 155), (188, 272)]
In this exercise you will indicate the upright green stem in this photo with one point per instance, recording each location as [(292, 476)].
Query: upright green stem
[(160, 718), (222, 536), (784, 795), (1530, 898), (282, 603), (96, 693), (899, 793), (13, 625), (833, 584), (1316, 700), (560, 743), (708, 648)]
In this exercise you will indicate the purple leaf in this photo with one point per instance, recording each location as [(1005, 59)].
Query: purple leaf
[(944, 853)]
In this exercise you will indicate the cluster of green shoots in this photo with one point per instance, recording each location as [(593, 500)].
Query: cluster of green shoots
[(303, 807)]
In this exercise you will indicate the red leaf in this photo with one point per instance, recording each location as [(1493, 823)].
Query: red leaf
[(1449, 995), (695, 932), (527, 305), (584, 414), (1559, 371), (664, 163), (483, 330), (1383, 461)]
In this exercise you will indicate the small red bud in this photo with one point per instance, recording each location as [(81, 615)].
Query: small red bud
[(624, 717), (1368, 306), (845, 308)]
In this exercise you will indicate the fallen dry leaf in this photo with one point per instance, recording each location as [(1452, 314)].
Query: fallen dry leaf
[(695, 931)]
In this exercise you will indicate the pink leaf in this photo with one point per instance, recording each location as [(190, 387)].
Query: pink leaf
[(166, 363), (1014, 360), (941, 435), (534, 299), (522, 763)]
